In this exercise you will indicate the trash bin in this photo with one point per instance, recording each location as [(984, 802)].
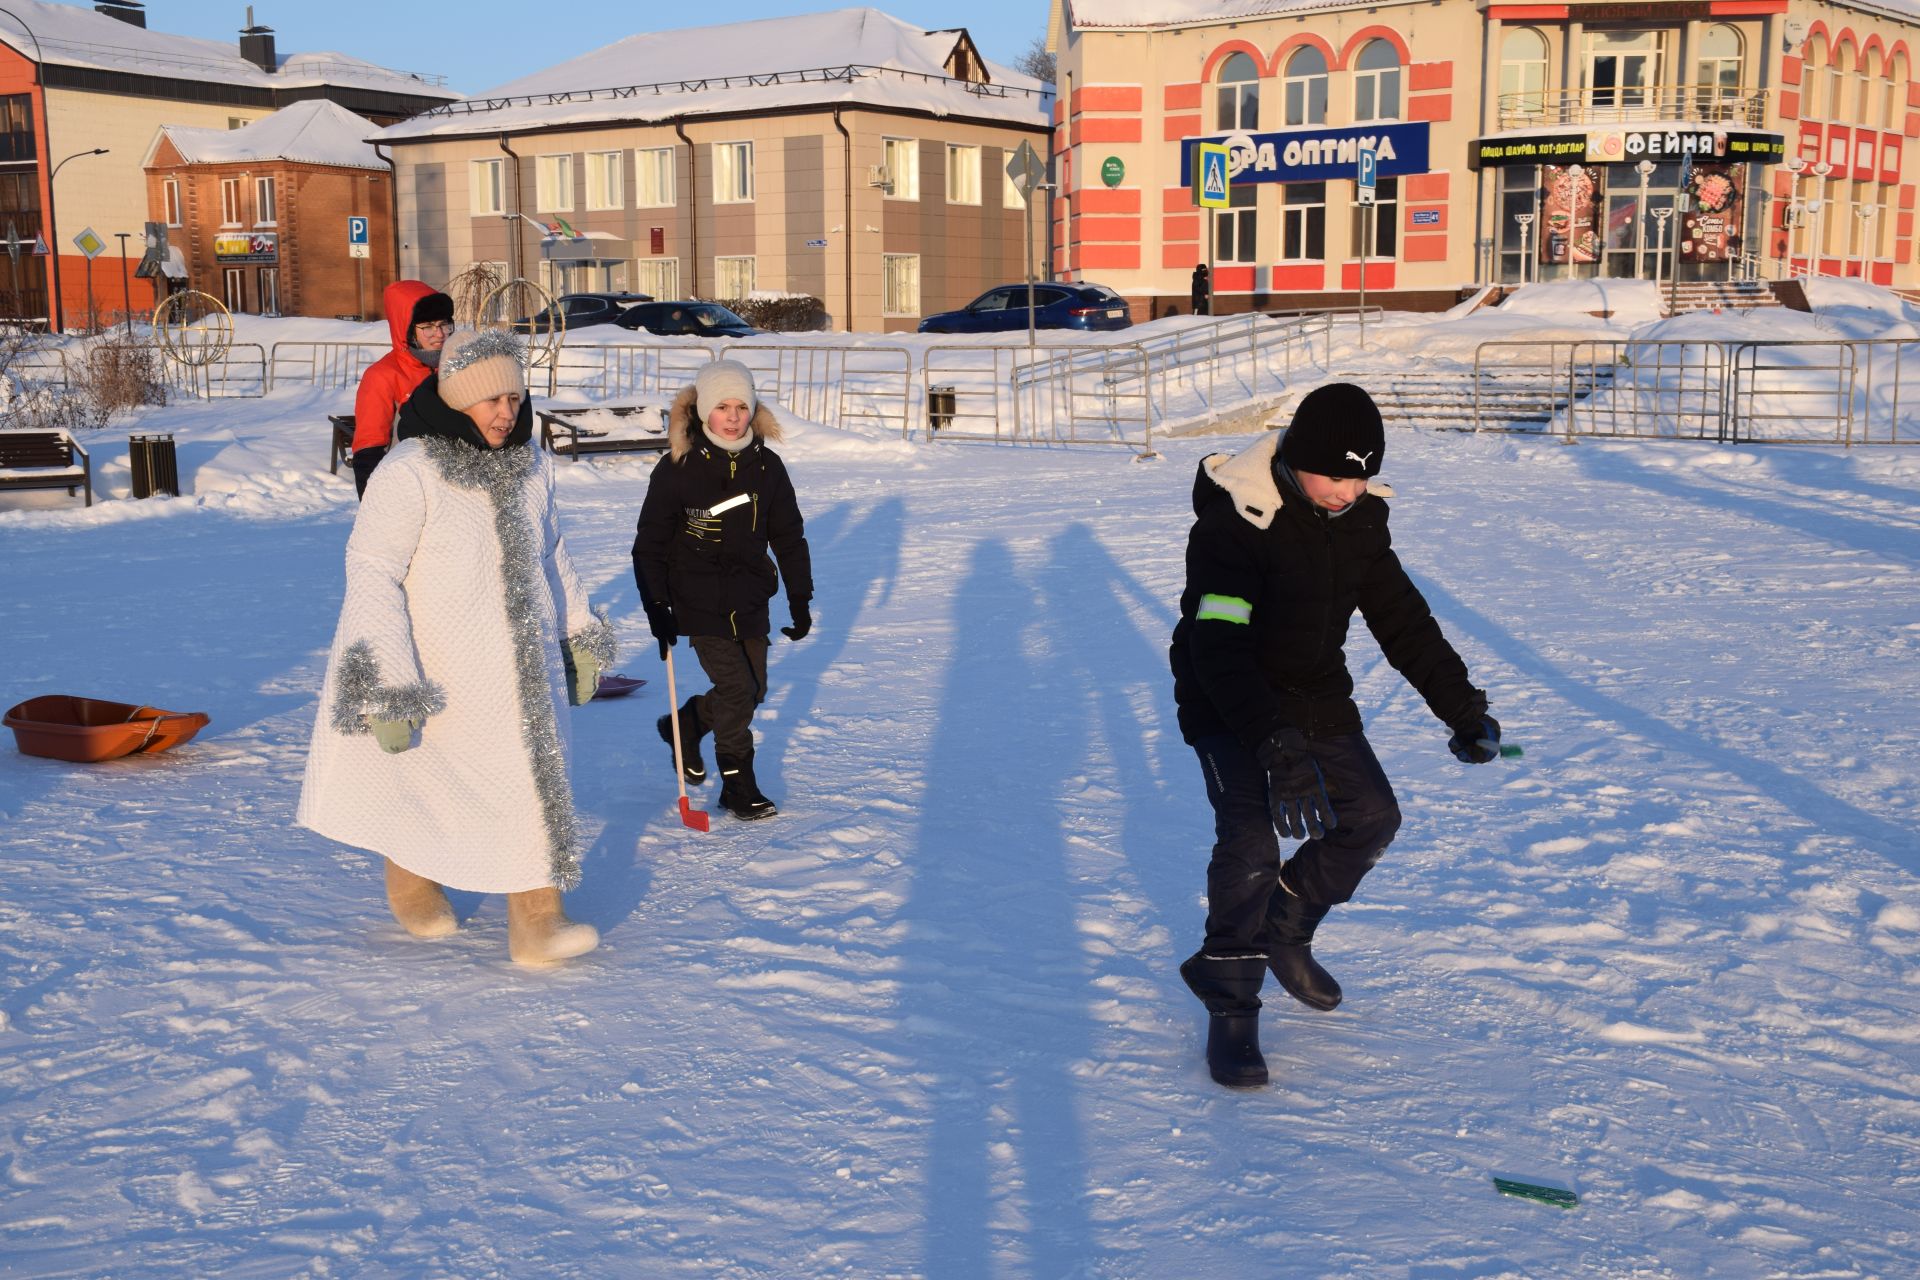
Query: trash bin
[(154, 468), (939, 407)]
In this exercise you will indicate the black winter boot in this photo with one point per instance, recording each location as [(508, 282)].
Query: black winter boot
[(693, 768), (1291, 921), (1230, 988), (739, 793)]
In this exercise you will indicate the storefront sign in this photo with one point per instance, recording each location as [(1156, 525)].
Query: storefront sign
[(1570, 214), (1711, 230), (1316, 155), (657, 240), (1112, 171), (236, 248), (1676, 11), (1615, 145)]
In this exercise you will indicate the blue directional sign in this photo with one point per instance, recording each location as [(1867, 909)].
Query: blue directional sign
[(1211, 191), (1366, 176), (356, 231)]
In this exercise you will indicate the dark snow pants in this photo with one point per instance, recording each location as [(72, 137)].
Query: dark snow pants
[(1243, 878), (738, 669)]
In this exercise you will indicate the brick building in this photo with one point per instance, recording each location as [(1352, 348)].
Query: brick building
[(258, 216), (81, 92)]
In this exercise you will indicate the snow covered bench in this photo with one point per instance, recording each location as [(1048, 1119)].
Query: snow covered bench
[(342, 451), (624, 428), (44, 460)]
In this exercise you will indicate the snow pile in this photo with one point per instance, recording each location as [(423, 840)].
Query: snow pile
[(1629, 301)]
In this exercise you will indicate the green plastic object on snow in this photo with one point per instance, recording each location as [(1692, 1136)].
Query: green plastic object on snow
[(1558, 1197)]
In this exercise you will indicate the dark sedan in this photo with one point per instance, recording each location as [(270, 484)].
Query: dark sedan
[(1056, 305), (583, 310), (686, 319)]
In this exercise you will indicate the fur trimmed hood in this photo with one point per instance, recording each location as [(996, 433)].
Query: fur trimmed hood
[(681, 419), (1248, 478)]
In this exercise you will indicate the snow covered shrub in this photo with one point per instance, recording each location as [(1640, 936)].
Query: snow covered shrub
[(779, 313), (120, 373)]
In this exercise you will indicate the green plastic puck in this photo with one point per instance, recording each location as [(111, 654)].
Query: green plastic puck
[(1558, 1197)]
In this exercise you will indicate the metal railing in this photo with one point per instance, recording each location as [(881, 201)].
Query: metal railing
[(833, 384), (627, 368), (1665, 388), (1635, 104), (322, 364), (240, 372), (1064, 395), (1521, 384)]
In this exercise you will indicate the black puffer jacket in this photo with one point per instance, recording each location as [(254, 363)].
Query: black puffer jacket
[(712, 565), (1272, 584)]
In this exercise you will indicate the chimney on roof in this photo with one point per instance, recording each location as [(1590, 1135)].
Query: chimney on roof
[(256, 44), (131, 12)]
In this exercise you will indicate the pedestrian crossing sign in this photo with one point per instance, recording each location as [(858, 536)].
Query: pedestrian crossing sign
[(1210, 187)]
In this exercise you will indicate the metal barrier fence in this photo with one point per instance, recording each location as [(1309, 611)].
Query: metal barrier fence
[(1663, 388), (322, 364), (1067, 395), (833, 384), (626, 368), (241, 372)]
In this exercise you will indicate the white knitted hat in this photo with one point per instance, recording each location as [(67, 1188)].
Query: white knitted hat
[(479, 364), (722, 380)]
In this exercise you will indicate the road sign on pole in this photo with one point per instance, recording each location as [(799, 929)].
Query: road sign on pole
[(1366, 177), (89, 243), (1028, 172), (1211, 184), (356, 231)]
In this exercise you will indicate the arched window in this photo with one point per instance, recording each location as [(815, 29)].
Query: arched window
[(1239, 93), (1837, 69), (1523, 77), (1305, 87), (1896, 89), (1810, 78), (1376, 82), (1718, 74)]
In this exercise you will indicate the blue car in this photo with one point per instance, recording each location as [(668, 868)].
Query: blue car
[(1055, 306)]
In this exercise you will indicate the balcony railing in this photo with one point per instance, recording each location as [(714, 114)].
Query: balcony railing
[(1636, 104)]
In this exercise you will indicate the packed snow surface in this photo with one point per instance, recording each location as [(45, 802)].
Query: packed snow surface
[(927, 1022)]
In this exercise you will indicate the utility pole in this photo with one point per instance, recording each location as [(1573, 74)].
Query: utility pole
[(126, 289)]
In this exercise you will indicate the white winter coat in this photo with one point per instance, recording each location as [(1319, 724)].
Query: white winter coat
[(458, 584)]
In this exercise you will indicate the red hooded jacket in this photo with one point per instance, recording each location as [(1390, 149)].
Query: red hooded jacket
[(385, 386)]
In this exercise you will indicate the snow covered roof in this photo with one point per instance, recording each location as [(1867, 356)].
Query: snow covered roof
[(849, 56), (1083, 14), (311, 132), (72, 36)]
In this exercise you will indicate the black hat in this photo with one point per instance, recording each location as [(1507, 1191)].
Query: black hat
[(1336, 432), (432, 306)]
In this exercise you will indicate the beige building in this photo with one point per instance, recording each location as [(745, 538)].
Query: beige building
[(1514, 142), (82, 92), (848, 156)]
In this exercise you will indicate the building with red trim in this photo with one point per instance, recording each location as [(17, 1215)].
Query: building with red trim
[(1514, 142)]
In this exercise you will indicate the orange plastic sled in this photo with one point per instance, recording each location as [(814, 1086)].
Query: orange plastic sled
[(84, 730)]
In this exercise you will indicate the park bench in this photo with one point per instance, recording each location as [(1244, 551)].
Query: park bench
[(44, 460), (562, 432), (342, 451)]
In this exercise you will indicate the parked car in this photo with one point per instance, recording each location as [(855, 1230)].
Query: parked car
[(686, 319), (1056, 305), (583, 310)]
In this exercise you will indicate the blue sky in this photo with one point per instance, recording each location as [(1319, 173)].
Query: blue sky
[(477, 44)]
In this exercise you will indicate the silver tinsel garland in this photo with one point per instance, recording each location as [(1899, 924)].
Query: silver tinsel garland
[(501, 474), (597, 640), (358, 694), (484, 345)]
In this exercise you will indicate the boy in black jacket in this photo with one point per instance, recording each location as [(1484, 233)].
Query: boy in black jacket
[(713, 508), (1290, 538)]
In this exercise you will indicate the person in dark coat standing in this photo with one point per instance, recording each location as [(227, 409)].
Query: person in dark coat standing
[(1202, 291), (1289, 540), (713, 510)]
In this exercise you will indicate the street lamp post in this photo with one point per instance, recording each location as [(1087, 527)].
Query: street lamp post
[(1820, 171), (1866, 213), (1485, 259), (1796, 208), (1526, 224), (54, 317), (1660, 253), (126, 288), (1645, 169)]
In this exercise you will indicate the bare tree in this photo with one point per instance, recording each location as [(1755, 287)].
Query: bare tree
[(1038, 61)]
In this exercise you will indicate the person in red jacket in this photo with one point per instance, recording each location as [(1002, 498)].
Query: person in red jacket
[(420, 320)]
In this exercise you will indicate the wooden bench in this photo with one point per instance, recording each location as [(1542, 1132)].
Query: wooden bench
[(44, 460), (342, 450), (561, 432)]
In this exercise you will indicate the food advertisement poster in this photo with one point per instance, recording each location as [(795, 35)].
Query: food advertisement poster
[(1710, 230), (1570, 214)]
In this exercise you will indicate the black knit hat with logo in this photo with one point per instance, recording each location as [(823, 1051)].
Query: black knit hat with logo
[(1336, 432)]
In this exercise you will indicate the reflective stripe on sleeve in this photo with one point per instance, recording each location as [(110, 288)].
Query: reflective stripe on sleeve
[(1224, 609)]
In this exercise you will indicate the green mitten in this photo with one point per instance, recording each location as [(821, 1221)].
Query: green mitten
[(394, 736), (583, 674)]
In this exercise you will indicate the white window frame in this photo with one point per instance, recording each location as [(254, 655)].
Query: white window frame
[(656, 163), (963, 173), (899, 275), (1235, 100), (733, 261), (657, 277), (1244, 219), (267, 280), (266, 203), (1297, 91), (170, 200), (1379, 80), (606, 189), (229, 202), (233, 288), (553, 183), (487, 187), (732, 172), (1386, 225), (901, 157), (1302, 214)]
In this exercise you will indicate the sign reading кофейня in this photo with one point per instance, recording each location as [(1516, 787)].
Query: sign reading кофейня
[(1316, 155), (1613, 144)]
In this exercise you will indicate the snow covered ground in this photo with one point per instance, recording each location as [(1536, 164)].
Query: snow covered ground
[(927, 1022)]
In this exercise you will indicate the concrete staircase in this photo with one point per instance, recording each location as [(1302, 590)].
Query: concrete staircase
[(1723, 295), (1510, 400)]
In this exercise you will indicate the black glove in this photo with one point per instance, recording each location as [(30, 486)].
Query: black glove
[(802, 620), (1296, 791), (1475, 740), (660, 622)]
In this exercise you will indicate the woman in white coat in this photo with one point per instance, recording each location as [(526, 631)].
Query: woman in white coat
[(441, 741)]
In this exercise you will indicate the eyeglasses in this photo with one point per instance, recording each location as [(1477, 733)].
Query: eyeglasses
[(435, 326)]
